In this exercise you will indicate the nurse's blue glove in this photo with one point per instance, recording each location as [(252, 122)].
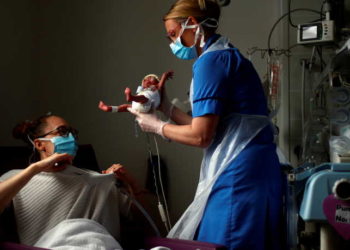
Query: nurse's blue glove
[(149, 122)]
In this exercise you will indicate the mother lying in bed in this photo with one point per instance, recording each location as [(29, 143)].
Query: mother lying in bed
[(51, 195)]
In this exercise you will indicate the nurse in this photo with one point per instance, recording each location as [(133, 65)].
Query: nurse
[(238, 202)]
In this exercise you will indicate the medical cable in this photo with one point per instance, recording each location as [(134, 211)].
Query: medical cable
[(164, 215), (161, 183), (31, 157), (320, 54), (289, 15), (303, 65), (136, 129), (143, 211), (153, 170)]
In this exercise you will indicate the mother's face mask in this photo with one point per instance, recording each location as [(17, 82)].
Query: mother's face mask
[(63, 144)]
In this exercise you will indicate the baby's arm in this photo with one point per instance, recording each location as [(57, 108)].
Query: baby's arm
[(166, 76)]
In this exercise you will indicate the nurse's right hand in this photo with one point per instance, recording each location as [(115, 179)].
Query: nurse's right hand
[(149, 122)]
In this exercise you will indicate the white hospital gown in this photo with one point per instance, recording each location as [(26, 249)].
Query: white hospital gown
[(50, 198)]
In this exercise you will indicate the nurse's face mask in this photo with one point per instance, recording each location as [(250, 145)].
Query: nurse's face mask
[(188, 53), (180, 50), (65, 141)]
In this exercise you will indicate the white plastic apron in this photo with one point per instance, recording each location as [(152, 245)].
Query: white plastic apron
[(233, 134)]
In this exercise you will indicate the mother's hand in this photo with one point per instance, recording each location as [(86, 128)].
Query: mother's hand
[(122, 174), (53, 163), (117, 169)]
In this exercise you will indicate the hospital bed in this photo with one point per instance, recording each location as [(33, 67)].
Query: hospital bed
[(17, 157)]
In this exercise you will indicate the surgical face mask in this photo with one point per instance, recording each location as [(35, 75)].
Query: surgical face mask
[(188, 53), (63, 144)]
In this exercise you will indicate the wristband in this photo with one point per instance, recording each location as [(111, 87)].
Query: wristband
[(114, 108)]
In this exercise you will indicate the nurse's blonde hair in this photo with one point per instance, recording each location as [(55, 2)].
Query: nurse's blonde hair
[(199, 9)]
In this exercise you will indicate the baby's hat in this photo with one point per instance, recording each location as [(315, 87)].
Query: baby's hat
[(151, 75)]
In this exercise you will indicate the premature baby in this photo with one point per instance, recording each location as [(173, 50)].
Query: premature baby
[(147, 96)]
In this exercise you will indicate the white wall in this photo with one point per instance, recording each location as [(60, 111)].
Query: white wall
[(66, 55)]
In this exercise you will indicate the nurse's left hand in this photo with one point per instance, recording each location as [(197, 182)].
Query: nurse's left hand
[(149, 122)]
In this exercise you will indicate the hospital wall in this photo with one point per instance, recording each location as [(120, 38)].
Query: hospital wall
[(64, 56)]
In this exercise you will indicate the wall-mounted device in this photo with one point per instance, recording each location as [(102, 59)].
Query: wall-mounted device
[(316, 33)]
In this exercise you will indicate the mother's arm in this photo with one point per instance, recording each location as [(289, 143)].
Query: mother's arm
[(10, 187)]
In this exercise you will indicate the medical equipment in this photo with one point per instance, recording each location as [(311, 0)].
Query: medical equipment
[(273, 77), (316, 33), (281, 18), (320, 196), (274, 84), (325, 106), (164, 213), (143, 211), (318, 207), (341, 189)]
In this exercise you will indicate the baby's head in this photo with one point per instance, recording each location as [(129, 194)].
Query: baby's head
[(150, 80)]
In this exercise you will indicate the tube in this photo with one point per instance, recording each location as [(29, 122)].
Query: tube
[(143, 211)]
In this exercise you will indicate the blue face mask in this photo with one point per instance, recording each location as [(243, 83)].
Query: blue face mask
[(188, 53), (180, 50), (183, 52), (63, 144)]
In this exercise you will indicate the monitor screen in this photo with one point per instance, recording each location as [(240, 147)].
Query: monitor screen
[(309, 32)]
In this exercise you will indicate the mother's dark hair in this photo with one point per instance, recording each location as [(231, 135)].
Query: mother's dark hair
[(29, 130)]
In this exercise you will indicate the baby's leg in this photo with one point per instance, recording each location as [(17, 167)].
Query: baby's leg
[(124, 107), (134, 98), (104, 107), (120, 108)]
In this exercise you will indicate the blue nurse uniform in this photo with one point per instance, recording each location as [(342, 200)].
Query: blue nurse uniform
[(244, 207)]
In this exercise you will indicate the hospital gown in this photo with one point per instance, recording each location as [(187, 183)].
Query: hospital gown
[(244, 207), (52, 197)]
